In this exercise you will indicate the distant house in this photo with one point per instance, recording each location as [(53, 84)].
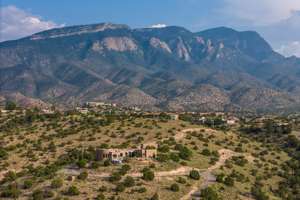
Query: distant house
[(174, 116), (232, 120), (47, 111), (82, 110), (3, 111), (97, 104), (117, 155)]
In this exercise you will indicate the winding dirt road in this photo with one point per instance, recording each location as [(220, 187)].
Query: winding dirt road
[(207, 176)]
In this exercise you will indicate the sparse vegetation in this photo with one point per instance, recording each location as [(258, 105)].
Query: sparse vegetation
[(54, 156)]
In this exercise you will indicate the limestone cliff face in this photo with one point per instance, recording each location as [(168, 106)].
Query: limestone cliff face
[(182, 50), (120, 44), (157, 43)]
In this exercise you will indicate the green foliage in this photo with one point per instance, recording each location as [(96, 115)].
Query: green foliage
[(100, 197), (259, 194), (107, 163), (155, 197), (28, 183), (83, 175), (72, 191), (174, 187), (124, 169), (229, 181), (10, 176), (161, 157), (95, 165), (42, 194), (9, 105), (220, 178), (240, 160), (57, 183), (115, 176), (103, 188), (164, 149), (209, 194), (141, 190), (81, 163), (205, 152), (129, 181), (194, 174), (174, 157), (11, 191), (148, 174), (184, 152), (3, 154), (181, 180), (120, 187)]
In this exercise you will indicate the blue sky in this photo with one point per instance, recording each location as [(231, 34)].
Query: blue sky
[(276, 20), (136, 13)]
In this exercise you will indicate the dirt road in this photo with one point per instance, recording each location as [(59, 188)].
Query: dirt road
[(207, 177)]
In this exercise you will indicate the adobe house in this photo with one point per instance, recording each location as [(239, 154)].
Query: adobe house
[(120, 154)]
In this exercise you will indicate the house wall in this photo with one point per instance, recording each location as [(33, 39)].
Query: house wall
[(102, 154)]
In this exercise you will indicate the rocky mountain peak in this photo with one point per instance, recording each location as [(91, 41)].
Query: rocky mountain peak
[(77, 30), (214, 69)]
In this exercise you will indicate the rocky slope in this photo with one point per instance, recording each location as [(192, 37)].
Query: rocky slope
[(160, 68)]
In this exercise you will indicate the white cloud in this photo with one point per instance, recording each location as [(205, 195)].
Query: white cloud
[(158, 26), (16, 23), (261, 12), (290, 49)]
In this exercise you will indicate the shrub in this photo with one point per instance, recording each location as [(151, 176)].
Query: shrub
[(148, 175), (155, 197), (38, 195), (103, 189), (220, 178), (259, 194), (229, 181), (185, 153), (100, 197), (164, 149), (57, 183), (72, 191), (162, 157), (174, 187), (106, 163), (129, 181), (83, 175), (124, 169), (81, 163), (194, 174), (120, 187), (142, 190), (181, 180), (209, 194), (3, 154), (9, 105), (10, 176), (11, 191), (27, 183), (174, 157), (116, 176), (205, 152), (95, 165), (240, 160)]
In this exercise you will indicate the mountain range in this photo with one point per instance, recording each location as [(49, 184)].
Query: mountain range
[(169, 68)]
